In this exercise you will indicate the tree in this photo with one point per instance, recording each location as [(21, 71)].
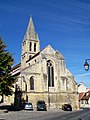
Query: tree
[(6, 62)]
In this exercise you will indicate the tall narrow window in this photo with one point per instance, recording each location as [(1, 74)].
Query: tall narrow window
[(32, 83), (30, 46), (34, 47), (50, 70)]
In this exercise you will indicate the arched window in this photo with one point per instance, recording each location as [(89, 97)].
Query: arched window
[(50, 70), (32, 83)]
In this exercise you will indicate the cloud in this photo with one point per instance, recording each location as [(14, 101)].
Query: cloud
[(82, 75), (84, 78), (14, 9), (81, 4)]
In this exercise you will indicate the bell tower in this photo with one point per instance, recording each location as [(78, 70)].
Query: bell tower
[(30, 44)]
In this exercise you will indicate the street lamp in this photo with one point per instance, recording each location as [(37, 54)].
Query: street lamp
[(86, 65)]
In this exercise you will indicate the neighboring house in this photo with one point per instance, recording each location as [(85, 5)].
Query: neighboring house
[(84, 99), (82, 88), (84, 95), (42, 75)]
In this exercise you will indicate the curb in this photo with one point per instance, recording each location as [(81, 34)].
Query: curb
[(3, 111)]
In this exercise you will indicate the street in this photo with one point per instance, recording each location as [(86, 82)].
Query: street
[(47, 115)]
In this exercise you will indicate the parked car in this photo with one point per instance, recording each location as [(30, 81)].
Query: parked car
[(67, 107), (28, 106), (41, 105)]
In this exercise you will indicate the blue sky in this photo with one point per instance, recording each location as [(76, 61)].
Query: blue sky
[(65, 24)]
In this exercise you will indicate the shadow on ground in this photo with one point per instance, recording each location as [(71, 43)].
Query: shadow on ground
[(9, 108)]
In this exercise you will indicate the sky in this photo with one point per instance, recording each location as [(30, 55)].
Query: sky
[(64, 24)]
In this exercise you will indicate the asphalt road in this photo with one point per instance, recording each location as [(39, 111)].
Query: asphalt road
[(47, 115)]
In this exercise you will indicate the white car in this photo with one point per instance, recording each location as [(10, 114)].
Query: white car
[(28, 106)]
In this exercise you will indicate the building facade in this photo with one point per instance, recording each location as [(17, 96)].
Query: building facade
[(42, 75), (84, 95), (84, 99)]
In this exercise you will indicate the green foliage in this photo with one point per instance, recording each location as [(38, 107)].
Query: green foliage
[(6, 62)]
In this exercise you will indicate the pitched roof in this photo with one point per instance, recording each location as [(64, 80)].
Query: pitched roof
[(48, 50), (16, 66), (81, 95), (84, 95)]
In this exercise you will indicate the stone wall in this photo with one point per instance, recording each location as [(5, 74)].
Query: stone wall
[(55, 100)]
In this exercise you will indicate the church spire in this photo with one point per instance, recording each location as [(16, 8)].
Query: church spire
[(30, 32), (30, 44)]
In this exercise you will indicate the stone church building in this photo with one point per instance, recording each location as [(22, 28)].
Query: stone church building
[(42, 75)]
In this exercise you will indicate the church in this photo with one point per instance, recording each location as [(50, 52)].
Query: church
[(42, 75)]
